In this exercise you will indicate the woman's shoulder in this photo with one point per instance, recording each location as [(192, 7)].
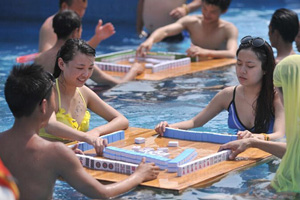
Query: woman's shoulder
[(228, 91)]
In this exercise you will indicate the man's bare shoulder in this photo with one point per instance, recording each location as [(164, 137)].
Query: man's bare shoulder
[(190, 19), (47, 25), (227, 26)]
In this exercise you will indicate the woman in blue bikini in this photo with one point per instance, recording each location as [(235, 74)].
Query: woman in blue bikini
[(254, 108)]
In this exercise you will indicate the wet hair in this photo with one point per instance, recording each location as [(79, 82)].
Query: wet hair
[(286, 22), (68, 51), (222, 4), (264, 110), (68, 2), (25, 88), (65, 22)]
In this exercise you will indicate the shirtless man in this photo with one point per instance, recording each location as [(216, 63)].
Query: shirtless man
[(67, 24), (47, 37), (210, 35), (153, 17), (283, 29), (35, 162)]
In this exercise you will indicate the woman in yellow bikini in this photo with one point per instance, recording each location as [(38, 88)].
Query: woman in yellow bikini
[(74, 66)]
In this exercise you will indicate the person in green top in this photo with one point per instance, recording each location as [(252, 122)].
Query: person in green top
[(287, 82)]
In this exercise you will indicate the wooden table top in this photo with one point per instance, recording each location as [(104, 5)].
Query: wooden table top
[(170, 181), (179, 71)]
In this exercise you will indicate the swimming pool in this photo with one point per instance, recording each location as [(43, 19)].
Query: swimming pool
[(145, 103)]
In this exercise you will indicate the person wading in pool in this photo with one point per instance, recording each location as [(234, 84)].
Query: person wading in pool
[(153, 17), (47, 37), (210, 35), (66, 25), (35, 162), (283, 29), (254, 108), (74, 66), (287, 82)]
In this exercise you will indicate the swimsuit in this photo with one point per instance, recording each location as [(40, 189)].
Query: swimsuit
[(234, 121), (67, 119)]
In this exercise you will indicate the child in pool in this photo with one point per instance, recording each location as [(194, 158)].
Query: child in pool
[(254, 107), (74, 65)]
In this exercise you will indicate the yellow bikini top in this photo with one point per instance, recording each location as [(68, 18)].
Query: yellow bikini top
[(66, 118)]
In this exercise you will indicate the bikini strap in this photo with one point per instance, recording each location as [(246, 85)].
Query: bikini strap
[(233, 97), (58, 93), (81, 97)]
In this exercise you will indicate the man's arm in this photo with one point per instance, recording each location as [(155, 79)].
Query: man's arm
[(101, 77), (69, 167), (102, 32), (159, 34), (185, 9), (276, 148)]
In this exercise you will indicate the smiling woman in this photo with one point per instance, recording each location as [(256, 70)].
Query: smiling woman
[(74, 66), (254, 108)]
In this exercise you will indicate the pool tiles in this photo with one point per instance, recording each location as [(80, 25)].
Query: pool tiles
[(203, 163), (198, 136), (161, 61)]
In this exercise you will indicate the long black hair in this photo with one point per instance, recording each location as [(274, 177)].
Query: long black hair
[(264, 110), (68, 51)]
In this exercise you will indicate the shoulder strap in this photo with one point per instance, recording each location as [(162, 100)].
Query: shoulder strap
[(58, 93), (81, 97)]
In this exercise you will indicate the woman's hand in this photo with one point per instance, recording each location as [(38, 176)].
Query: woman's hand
[(161, 127), (244, 134)]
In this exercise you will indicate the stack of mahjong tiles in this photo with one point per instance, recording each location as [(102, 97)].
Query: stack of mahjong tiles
[(160, 157), (202, 163), (199, 136), (104, 164), (155, 61)]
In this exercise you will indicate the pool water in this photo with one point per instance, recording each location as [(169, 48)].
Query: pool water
[(146, 103)]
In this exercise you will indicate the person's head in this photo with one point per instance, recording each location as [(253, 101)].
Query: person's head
[(27, 87), (67, 24), (79, 6), (255, 66), (212, 9), (75, 61), (297, 40), (285, 24)]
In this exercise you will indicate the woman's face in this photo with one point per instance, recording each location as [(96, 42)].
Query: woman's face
[(77, 71), (248, 68)]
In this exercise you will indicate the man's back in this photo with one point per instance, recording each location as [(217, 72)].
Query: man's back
[(47, 59), (32, 161), (47, 37)]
